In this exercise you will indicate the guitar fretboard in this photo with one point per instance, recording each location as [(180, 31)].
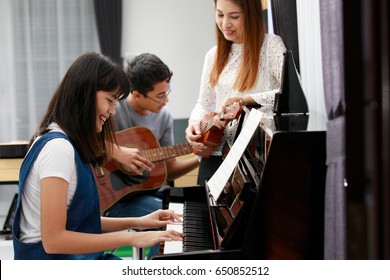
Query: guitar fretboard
[(163, 153), (231, 112)]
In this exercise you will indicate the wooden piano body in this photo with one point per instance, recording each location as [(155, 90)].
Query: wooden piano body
[(281, 198)]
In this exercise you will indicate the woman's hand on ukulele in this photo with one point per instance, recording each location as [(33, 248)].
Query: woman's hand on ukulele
[(230, 102), (193, 134), (219, 122)]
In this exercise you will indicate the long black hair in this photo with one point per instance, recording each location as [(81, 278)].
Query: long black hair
[(73, 105)]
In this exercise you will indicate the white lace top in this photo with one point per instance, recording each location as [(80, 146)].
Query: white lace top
[(268, 82)]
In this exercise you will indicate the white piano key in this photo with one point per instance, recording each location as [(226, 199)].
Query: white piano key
[(171, 247), (177, 207)]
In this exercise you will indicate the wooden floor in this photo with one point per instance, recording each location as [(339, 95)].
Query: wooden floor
[(190, 178)]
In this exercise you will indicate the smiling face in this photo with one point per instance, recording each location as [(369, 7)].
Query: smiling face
[(230, 20), (105, 108)]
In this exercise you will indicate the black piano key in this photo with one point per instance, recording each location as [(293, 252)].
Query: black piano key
[(195, 230), (188, 244), (199, 231), (192, 236), (199, 243), (196, 227), (195, 223), (196, 247)]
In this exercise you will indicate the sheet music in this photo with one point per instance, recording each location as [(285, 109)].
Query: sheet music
[(225, 170)]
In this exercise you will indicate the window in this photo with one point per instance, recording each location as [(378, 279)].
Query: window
[(44, 38)]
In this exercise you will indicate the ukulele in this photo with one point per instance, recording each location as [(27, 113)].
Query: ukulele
[(116, 181), (211, 134)]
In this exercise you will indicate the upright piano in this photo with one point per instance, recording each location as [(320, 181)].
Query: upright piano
[(272, 207)]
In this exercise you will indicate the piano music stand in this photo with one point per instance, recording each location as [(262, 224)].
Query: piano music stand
[(291, 99)]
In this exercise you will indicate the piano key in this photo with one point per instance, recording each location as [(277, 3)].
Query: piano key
[(171, 247), (176, 207), (196, 232)]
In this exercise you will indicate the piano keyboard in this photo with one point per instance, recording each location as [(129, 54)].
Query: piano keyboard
[(196, 228)]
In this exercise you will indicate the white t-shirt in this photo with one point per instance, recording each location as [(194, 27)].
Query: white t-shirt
[(56, 159)]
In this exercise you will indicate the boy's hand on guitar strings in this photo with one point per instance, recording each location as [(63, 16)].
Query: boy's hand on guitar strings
[(132, 158)]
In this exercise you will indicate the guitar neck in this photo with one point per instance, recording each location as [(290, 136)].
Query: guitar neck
[(163, 153), (210, 123)]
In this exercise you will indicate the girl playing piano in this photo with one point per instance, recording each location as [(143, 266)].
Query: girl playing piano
[(58, 215)]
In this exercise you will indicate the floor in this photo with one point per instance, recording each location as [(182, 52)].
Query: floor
[(188, 179), (6, 249)]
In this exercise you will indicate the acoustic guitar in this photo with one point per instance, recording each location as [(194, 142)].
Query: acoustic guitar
[(116, 181)]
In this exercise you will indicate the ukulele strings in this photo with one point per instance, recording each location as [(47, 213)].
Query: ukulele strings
[(206, 126)]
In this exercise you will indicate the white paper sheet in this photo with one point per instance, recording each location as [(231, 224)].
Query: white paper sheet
[(225, 170)]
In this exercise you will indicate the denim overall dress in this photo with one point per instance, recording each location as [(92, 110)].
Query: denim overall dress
[(83, 214)]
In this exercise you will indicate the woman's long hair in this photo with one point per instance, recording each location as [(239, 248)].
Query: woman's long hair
[(73, 105), (252, 40)]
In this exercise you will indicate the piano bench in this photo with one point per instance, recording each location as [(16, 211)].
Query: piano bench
[(138, 253)]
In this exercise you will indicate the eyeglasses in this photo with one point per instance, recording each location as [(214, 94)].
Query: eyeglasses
[(161, 100)]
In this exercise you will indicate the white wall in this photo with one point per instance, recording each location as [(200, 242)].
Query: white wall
[(180, 32)]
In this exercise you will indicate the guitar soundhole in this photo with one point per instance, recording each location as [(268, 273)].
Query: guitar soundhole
[(125, 169), (120, 180)]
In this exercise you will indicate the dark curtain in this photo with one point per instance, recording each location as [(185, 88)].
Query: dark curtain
[(284, 19), (333, 76), (109, 24), (367, 95), (285, 25)]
